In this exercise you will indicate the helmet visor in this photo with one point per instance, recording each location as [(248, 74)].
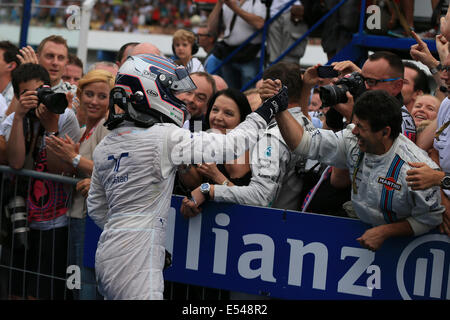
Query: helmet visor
[(182, 82)]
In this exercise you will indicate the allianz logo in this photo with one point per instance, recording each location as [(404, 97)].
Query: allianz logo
[(421, 271), (429, 264)]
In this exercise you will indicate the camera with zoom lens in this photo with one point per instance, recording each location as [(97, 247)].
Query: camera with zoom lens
[(336, 93), (17, 212), (55, 102)]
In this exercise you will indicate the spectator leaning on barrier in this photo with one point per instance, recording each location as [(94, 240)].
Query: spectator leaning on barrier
[(377, 156), (140, 158), (423, 176), (25, 130), (226, 109), (52, 54)]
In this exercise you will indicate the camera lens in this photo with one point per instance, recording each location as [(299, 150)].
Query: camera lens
[(333, 94), (18, 215)]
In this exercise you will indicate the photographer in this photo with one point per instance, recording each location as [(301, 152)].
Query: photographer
[(24, 130), (383, 70)]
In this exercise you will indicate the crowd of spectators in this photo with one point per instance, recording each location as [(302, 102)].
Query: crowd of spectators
[(143, 16), (285, 172)]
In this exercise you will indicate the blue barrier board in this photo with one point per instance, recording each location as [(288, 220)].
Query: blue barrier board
[(294, 255)]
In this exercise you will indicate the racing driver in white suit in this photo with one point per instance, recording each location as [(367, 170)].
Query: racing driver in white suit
[(135, 166)]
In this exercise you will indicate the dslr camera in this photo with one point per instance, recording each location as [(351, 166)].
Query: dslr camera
[(55, 102), (336, 93)]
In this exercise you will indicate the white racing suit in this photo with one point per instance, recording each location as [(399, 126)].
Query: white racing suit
[(130, 195), (382, 194)]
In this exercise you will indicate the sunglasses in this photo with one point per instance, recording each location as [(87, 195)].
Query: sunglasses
[(373, 82)]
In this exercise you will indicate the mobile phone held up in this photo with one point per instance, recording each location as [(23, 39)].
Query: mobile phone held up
[(327, 72)]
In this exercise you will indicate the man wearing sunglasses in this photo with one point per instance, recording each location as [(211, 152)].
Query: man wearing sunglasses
[(383, 70)]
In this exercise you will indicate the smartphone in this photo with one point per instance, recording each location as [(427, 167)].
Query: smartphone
[(327, 72)]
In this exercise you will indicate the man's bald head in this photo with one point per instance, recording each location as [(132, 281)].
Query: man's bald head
[(145, 48), (220, 82)]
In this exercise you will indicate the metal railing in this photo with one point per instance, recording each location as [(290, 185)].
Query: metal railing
[(260, 253), (18, 275), (27, 268), (263, 42)]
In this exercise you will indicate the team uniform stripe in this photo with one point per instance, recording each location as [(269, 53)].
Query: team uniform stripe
[(410, 135), (388, 195), (161, 64)]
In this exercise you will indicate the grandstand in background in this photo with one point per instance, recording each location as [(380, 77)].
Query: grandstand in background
[(115, 22)]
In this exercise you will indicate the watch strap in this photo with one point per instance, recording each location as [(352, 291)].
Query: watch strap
[(436, 69), (205, 192)]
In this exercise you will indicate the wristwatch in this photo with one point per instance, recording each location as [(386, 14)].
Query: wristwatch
[(436, 69), (445, 182), (204, 189), (51, 133), (76, 160)]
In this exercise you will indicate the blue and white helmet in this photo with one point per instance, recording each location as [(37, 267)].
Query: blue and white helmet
[(150, 83)]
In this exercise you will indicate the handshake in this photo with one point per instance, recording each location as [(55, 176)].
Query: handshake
[(274, 101)]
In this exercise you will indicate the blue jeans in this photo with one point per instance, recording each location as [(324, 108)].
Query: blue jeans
[(239, 74)]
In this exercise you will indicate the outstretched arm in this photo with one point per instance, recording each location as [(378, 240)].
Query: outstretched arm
[(290, 129)]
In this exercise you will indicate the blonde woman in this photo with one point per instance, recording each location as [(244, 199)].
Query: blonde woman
[(93, 94), (184, 46)]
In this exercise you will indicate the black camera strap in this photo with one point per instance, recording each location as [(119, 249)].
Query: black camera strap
[(233, 20), (30, 138)]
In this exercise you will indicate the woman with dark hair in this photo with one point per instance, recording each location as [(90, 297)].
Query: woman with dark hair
[(226, 109)]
